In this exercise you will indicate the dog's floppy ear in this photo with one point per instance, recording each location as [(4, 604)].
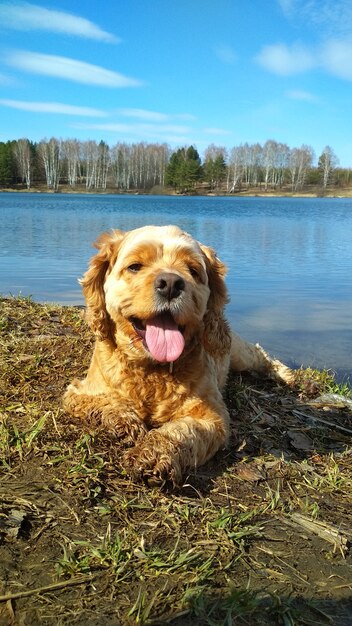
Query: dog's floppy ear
[(216, 271), (217, 335), (93, 282)]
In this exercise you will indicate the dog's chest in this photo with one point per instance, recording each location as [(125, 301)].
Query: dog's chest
[(154, 394), (153, 386)]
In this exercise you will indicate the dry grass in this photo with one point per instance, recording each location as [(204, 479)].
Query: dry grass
[(259, 536)]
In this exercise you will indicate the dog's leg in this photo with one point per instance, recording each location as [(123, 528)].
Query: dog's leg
[(247, 356), (84, 406), (113, 413), (168, 452)]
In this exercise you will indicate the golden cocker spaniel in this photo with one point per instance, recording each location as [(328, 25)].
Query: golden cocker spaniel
[(155, 301)]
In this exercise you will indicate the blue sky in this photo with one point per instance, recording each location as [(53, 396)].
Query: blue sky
[(179, 71)]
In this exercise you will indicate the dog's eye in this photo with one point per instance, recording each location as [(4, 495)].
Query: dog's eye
[(194, 273), (135, 267)]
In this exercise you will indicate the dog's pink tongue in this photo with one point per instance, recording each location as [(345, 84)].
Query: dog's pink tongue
[(164, 340)]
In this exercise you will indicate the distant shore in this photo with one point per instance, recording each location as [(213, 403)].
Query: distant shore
[(254, 192)]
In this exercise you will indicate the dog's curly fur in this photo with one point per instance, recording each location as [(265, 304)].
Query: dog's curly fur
[(163, 402)]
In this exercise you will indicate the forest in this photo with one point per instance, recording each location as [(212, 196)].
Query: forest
[(76, 165)]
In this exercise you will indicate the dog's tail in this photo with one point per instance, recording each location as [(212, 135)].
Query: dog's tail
[(247, 356)]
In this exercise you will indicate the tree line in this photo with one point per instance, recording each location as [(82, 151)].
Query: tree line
[(154, 166)]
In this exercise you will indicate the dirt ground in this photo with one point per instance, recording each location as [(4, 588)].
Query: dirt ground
[(261, 535)]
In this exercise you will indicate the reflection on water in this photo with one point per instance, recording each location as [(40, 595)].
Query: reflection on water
[(289, 260)]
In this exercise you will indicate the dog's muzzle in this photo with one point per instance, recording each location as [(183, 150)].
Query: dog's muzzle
[(169, 286)]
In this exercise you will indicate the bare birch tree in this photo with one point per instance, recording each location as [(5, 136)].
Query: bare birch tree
[(90, 155), (140, 165), (71, 153), (300, 161), (235, 169), (120, 159), (23, 156), (327, 163), (102, 166), (269, 154), (49, 153)]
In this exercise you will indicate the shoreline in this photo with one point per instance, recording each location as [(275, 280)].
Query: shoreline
[(247, 193)]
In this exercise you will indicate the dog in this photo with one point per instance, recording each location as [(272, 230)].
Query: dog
[(155, 301)]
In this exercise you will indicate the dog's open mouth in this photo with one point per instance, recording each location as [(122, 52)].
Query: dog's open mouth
[(162, 337)]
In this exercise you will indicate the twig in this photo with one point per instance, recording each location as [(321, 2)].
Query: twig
[(272, 553), (325, 531), (319, 419), (52, 587), (65, 503)]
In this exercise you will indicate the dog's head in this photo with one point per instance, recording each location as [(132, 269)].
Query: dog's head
[(151, 288)]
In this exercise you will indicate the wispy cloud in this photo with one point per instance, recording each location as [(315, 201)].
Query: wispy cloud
[(226, 54), (154, 116), (170, 133), (135, 129), (331, 22), (333, 56), (336, 57), (52, 107), (69, 69), (25, 16), (286, 6), (297, 94), (331, 17), (174, 134), (285, 61)]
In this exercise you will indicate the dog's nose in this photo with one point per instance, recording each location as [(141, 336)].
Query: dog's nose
[(169, 285)]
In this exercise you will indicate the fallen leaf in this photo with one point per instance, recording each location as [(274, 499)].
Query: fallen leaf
[(300, 441), (249, 473), (266, 420)]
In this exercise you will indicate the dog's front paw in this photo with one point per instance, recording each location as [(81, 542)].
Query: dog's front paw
[(156, 461), (127, 428)]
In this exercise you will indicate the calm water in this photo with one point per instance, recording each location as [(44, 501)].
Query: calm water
[(289, 260)]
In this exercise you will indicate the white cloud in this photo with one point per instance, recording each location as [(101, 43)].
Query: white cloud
[(297, 94), (286, 6), (136, 129), (331, 22), (154, 116), (24, 16), (170, 133), (52, 107), (285, 61), (336, 57), (69, 69), (142, 114), (328, 17), (226, 54)]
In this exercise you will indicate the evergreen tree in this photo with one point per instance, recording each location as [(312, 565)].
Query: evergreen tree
[(184, 169), (8, 169), (215, 168), (173, 168)]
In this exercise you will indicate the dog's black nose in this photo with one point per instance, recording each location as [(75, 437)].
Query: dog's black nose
[(169, 285)]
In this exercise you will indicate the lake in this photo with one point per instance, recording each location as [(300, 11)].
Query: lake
[(289, 259)]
